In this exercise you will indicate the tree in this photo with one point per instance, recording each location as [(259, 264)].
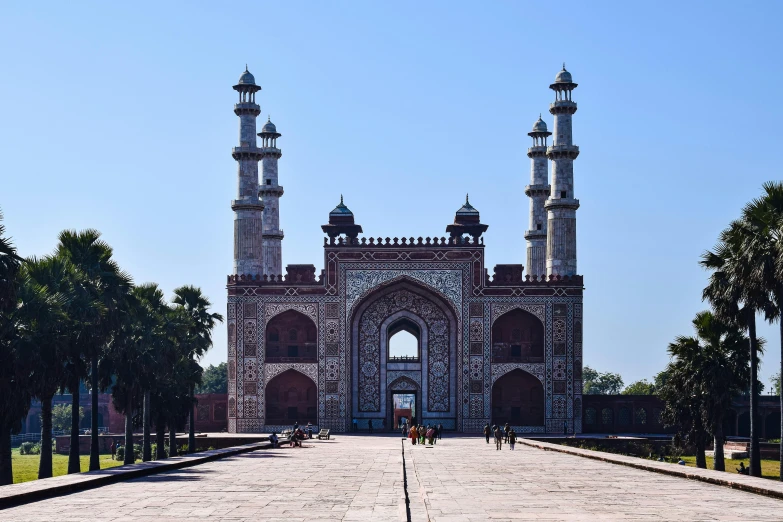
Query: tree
[(199, 338), (763, 244), (601, 383), (47, 342), (709, 370), (214, 379), (775, 380), (642, 387), (106, 286), (737, 292), (61, 417), (14, 367)]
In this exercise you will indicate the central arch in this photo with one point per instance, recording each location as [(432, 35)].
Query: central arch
[(403, 305)]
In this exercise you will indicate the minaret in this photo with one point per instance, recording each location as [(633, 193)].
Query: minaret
[(248, 209), (537, 191), (270, 192), (561, 205)]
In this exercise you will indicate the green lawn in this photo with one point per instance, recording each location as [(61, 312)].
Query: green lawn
[(769, 468), (26, 466)]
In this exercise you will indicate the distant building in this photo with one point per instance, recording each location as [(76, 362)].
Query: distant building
[(309, 348)]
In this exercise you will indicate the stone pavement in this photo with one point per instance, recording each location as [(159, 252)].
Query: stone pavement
[(360, 478)]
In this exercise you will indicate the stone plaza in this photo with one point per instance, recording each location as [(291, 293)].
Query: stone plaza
[(361, 478)]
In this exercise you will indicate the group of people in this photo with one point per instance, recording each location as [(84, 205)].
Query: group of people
[(421, 434), (297, 435), (506, 434)]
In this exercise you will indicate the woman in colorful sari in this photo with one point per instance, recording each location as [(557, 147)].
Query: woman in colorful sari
[(413, 435)]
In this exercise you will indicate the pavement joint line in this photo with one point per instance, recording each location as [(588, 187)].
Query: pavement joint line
[(757, 485), (33, 491), (406, 499)]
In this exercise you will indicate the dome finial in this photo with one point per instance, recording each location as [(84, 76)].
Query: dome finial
[(268, 117), (246, 68), (466, 200), (564, 66), (341, 199)]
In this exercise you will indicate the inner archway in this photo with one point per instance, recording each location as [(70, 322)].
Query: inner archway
[(518, 399), (517, 336), (291, 397), (404, 338)]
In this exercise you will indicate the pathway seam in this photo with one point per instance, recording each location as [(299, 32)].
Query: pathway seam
[(35, 490), (757, 485), (417, 511)]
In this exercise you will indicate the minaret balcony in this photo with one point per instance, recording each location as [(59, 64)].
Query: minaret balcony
[(537, 190), (532, 235), (275, 190), (246, 153), (562, 107), (538, 151), (247, 108), (561, 203), (247, 204), (562, 152), (271, 152)]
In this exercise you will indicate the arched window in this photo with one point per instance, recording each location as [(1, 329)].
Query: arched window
[(624, 416), (640, 416), (591, 416), (404, 341), (291, 337), (517, 336), (607, 416)]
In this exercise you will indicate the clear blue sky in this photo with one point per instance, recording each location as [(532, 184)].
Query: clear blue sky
[(118, 116)]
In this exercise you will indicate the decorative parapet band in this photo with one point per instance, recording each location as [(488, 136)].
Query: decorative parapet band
[(404, 242)]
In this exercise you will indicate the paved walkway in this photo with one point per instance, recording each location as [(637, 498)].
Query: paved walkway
[(360, 478)]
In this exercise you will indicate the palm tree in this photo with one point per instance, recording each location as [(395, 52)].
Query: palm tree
[(736, 296), (199, 338), (47, 340), (14, 391), (107, 285), (713, 367), (765, 247)]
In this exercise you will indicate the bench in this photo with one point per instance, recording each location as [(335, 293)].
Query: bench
[(323, 434)]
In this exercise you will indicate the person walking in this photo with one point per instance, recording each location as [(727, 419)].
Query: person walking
[(369, 425), (498, 439), (355, 425), (487, 432), (413, 435), (506, 429), (512, 439), (440, 431)]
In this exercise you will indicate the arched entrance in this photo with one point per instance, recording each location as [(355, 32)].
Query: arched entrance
[(404, 308), (518, 399), (291, 397)]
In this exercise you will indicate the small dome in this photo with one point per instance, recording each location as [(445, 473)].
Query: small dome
[(247, 78), (341, 209), (563, 76), (467, 208), (269, 127), (539, 125)]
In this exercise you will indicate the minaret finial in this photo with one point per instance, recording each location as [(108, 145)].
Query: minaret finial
[(341, 199), (466, 199)]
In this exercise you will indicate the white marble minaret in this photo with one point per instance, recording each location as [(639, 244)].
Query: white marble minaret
[(561, 205), (248, 208), (270, 192), (537, 191)]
